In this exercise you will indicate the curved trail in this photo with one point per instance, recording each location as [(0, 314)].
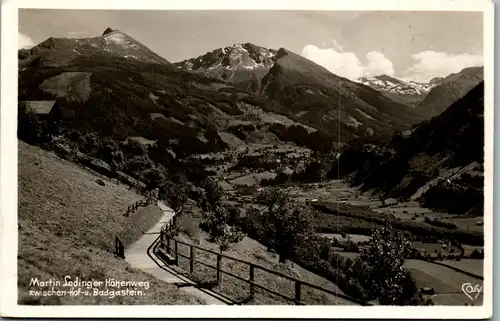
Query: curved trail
[(141, 255)]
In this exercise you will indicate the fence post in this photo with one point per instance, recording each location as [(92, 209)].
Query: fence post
[(252, 287), (219, 261), (119, 248), (168, 244), (297, 292), (191, 259), (162, 239), (176, 253)]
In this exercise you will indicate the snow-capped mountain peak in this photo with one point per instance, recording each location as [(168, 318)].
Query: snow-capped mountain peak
[(236, 57), (112, 43), (409, 92)]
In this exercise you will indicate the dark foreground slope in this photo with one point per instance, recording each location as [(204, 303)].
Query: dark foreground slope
[(440, 161), (67, 223)]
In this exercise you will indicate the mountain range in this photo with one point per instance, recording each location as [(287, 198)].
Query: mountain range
[(407, 92), (310, 92), (116, 86), (245, 65), (450, 89)]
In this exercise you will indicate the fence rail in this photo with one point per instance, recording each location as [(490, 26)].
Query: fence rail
[(141, 203), (170, 246)]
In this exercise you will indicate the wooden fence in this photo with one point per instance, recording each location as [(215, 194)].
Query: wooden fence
[(119, 248), (141, 203), (170, 247)]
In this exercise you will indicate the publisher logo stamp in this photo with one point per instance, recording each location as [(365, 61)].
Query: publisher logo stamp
[(472, 291)]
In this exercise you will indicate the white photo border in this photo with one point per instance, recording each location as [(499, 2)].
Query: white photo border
[(8, 165)]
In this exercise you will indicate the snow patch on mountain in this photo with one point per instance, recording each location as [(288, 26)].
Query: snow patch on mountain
[(117, 38), (396, 85), (240, 56), (408, 92)]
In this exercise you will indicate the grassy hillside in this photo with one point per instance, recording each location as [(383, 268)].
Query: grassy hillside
[(67, 223), (250, 250)]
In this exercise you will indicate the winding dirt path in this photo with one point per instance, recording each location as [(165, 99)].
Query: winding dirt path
[(141, 255)]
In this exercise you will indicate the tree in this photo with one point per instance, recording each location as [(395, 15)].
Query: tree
[(211, 194), (175, 193), (385, 255), (216, 218), (154, 177), (117, 161), (215, 223), (285, 223), (271, 198)]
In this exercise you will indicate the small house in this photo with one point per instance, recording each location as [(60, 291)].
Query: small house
[(43, 109), (46, 112)]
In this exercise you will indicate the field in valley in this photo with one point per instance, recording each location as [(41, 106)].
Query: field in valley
[(445, 281)]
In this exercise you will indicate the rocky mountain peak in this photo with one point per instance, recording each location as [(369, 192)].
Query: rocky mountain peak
[(235, 57), (408, 92), (108, 30)]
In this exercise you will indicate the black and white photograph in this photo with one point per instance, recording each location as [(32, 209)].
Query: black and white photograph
[(170, 157)]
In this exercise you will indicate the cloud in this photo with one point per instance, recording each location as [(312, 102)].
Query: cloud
[(24, 41), (344, 64), (430, 64), (347, 64), (378, 64)]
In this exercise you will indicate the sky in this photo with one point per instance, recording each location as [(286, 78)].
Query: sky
[(409, 45)]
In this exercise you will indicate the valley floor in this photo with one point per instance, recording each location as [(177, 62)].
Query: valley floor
[(445, 277)]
